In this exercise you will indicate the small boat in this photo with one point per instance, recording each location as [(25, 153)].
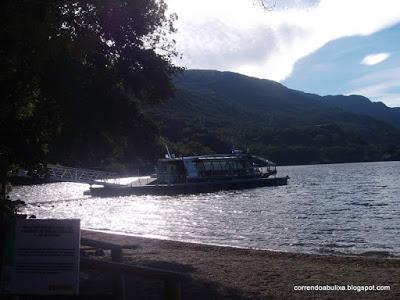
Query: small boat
[(200, 174)]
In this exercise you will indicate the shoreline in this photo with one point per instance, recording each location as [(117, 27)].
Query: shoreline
[(228, 272), (28, 180), (367, 254)]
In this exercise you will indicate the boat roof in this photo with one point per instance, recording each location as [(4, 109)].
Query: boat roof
[(208, 157)]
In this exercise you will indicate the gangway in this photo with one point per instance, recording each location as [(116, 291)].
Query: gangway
[(62, 173)]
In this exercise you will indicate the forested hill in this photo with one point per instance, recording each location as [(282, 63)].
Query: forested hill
[(362, 105), (213, 110)]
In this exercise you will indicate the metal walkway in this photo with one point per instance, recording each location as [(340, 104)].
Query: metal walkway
[(61, 173)]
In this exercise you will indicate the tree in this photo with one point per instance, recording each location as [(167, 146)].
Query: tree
[(74, 76), (266, 4)]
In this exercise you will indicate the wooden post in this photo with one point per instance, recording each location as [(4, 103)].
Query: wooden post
[(116, 254), (172, 290), (118, 278), (3, 208), (119, 286)]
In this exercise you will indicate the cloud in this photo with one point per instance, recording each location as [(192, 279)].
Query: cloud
[(376, 90), (379, 86), (374, 59), (382, 75), (285, 4), (236, 35)]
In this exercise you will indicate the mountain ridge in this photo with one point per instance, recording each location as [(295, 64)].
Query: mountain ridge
[(362, 105), (213, 109)]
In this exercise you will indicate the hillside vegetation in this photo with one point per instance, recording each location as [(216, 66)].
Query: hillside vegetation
[(212, 111)]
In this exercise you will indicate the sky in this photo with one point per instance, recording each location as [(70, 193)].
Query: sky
[(319, 46)]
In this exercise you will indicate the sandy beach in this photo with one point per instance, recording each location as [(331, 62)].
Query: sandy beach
[(231, 273)]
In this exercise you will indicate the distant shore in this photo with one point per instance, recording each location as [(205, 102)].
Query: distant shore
[(234, 273)]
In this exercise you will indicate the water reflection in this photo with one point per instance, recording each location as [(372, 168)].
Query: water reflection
[(342, 208)]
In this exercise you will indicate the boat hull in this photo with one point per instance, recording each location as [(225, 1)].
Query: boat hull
[(187, 188)]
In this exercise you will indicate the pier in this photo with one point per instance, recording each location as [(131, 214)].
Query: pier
[(69, 174)]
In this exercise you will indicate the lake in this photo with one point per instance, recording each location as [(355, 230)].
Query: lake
[(338, 208)]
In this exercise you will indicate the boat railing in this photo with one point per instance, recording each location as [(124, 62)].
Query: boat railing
[(69, 174)]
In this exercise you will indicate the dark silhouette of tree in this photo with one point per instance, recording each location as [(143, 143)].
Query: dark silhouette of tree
[(74, 76), (266, 4)]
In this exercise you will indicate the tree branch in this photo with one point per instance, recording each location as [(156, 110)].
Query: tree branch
[(268, 5)]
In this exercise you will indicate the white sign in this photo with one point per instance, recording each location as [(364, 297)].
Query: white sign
[(46, 257)]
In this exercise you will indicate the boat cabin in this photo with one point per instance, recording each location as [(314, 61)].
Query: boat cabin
[(212, 168)]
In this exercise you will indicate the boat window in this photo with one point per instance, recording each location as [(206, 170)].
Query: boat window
[(162, 166), (237, 165), (181, 171), (208, 165), (171, 168), (230, 165), (200, 165), (223, 165), (217, 165)]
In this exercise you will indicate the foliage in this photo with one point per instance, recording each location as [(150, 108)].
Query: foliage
[(80, 71), (214, 110), (74, 76), (362, 105)]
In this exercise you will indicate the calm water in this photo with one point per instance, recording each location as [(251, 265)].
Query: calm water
[(342, 208)]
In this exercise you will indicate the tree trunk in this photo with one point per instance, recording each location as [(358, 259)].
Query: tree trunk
[(3, 207)]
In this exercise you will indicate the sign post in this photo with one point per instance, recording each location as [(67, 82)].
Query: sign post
[(46, 257)]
